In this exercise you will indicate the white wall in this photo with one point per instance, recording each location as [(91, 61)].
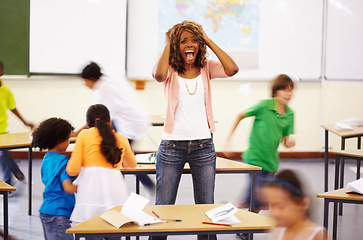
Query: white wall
[(314, 103)]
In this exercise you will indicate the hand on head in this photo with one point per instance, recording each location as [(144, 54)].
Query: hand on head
[(203, 33), (167, 37)]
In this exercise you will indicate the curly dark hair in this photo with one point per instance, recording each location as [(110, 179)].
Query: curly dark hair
[(98, 116), (175, 58), (51, 132)]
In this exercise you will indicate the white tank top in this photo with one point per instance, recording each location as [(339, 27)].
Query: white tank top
[(311, 237), (190, 114)]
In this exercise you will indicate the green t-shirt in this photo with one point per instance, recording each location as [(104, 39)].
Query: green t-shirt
[(7, 101), (267, 132)]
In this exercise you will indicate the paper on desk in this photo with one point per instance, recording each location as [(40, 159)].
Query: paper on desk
[(352, 122), (348, 124), (223, 214), (146, 158), (133, 208), (356, 186), (342, 126)]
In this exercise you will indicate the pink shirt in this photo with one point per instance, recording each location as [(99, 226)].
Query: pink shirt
[(213, 69)]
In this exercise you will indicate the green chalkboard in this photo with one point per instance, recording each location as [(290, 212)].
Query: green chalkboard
[(14, 36)]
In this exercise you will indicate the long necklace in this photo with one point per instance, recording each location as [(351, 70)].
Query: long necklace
[(196, 86)]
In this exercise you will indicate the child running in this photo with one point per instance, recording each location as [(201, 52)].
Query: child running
[(96, 159), (273, 124), (58, 196)]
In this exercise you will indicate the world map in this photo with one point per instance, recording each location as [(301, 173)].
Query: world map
[(232, 24)]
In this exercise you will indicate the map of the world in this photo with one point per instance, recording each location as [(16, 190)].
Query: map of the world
[(232, 24)]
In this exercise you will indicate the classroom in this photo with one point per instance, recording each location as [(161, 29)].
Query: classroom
[(321, 53)]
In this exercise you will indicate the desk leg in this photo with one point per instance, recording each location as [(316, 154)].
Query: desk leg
[(358, 161), (337, 164), (6, 214), (30, 179), (326, 161), (358, 168), (342, 174), (335, 220), (252, 200), (326, 213), (253, 188), (137, 184), (341, 183)]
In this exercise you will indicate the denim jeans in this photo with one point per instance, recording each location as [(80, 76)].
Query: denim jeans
[(259, 203), (9, 166), (171, 158), (54, 227)]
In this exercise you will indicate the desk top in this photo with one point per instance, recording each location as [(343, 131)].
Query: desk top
[(192, 217), (18, 140), (344, 133), (342, 193), (15, 140), (6, 187), (351, 153), (157, 120), (222, 165)]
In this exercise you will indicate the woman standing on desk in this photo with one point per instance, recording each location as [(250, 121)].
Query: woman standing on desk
[(185, 72)]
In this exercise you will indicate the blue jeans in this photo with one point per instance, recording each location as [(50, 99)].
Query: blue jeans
[(259, 203), (171, 158), (54, 227), (9, 166)]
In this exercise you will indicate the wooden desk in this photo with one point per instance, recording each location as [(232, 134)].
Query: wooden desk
[(337, 196), (11, 141), (222, 166), (344, 134), (157, 120), (356, 154), (192, 217), (4, 190)]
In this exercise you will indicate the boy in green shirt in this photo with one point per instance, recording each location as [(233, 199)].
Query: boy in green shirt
[(274, 123), (7, 101)]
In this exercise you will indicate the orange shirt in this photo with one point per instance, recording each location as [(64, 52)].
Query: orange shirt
[(87, 152)]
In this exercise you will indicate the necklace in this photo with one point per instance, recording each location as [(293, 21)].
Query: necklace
[(196, 86)]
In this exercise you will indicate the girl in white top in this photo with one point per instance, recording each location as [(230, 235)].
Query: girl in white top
[(289, 206)]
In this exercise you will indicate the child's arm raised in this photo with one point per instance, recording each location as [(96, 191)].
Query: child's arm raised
[(230, 67), (161, 71)]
